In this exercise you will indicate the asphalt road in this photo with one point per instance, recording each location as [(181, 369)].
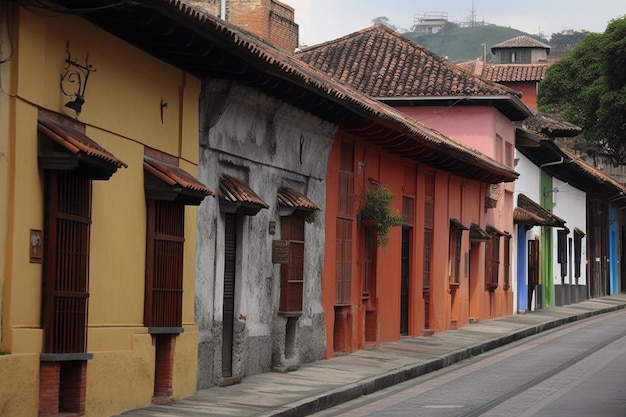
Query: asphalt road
[(576, 370)]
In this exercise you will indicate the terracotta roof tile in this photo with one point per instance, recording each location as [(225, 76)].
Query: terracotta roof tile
[(521, 216), (235, 190), (534, 211), (291, 198), (240, 46), (382, 63), (499, 73), (594, 172), (547, 126), (173, 175), (75, 141), (520, 42)]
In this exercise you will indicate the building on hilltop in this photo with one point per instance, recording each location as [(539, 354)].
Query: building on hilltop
[(429, 22)]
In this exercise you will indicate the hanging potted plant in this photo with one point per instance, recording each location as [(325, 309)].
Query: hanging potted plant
[(378, 214)]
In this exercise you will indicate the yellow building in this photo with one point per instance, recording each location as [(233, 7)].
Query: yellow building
[(97, 219)]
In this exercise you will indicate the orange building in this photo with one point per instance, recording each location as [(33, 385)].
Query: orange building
[(433, 269), (455, 263)]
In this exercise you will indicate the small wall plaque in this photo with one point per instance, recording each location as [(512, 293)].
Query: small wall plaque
[(280, 252), (36, 246)]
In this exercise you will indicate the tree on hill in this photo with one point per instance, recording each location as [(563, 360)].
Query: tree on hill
[(565, 41), (588, 88)]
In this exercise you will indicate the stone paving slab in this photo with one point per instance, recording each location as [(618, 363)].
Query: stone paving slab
[(326, 383)]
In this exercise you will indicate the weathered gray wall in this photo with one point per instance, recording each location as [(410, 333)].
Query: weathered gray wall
[(269, 144)]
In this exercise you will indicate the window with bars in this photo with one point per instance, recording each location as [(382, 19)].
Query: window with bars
[(562, 250), (578, 238), (429, 217), (369, 261), (292, 273), (344, 261), (454, 254), (344, 224), (164, 264), (66, 266), (507, 261), (492, 262)]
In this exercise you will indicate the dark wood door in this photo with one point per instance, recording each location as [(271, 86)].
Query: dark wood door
[(230, 249)]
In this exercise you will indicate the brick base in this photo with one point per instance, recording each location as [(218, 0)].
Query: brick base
[(62, 388), (164, 368)]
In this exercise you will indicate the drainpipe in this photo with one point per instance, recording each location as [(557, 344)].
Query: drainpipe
[(223, 10), (552, 163)]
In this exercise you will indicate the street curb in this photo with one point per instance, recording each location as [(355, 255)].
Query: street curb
[(335, 397)]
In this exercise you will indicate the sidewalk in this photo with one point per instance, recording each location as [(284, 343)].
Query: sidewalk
[(326, 383)]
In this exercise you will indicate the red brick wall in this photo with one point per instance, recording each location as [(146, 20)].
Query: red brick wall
[(62, 388), (268, 19), (164, 368), (49, 387)]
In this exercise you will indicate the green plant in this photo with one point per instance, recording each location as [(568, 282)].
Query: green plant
[(312, 216), (378, 212)]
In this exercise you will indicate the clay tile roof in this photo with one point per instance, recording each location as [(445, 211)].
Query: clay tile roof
[(546, 218), (520, 42), (548, 126), (234, 190), (598, 175), (222, 50), (499, 73), (521, 216), (75, 141), (291, 198), (382, 63), (173, 175)]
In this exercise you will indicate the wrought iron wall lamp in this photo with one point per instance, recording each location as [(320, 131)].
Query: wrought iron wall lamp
[(76, 75)]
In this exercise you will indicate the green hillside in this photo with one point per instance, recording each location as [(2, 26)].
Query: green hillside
[(464, 44)]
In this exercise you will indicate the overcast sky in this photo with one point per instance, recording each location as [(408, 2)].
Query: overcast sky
[(323, 20)]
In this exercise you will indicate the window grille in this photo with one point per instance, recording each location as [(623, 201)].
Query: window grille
[(292, 273), (66, 269), (164, 264)]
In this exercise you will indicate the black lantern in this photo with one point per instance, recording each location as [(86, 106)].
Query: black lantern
[(75, 76)]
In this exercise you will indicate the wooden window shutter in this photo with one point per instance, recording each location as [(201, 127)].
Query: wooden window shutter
[(343, 269), (507, 261), (164, 264), (369, 261), (66, 268), (346, 181), (533, 262), (429, 217), (292, 273)]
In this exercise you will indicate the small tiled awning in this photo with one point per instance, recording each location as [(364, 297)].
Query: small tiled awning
[(533, 214), (577, 231), (69, 148), (493, 231), (290, 198), (477, 234), (525, 217), (171, 183), (237, 196), (457, 225)]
